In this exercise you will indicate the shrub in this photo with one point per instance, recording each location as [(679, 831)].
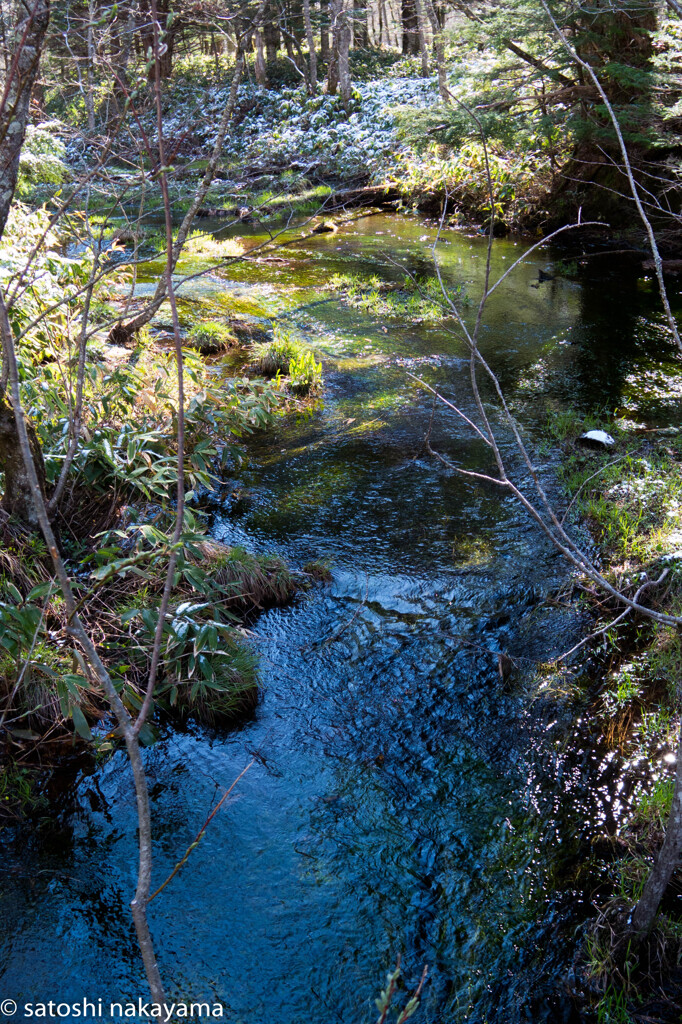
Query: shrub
[(246, 581), (42, 159), (207, 670)]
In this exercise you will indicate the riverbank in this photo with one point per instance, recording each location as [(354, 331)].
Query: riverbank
[(629, 497), (115, 518)]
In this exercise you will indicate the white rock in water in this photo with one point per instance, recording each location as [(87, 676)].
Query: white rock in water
[(597, 437)]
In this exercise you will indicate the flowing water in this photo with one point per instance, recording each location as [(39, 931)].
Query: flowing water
[(405, 799)]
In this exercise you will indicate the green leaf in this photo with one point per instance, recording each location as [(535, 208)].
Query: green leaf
[(149, 619), (40, 591), (80, 723), (74, 684)]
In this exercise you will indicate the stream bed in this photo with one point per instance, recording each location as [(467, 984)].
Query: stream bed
[(405, 799)]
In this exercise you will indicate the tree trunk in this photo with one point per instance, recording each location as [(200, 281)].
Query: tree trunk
[(312, 55), (260, 71), (295, 19), (17, 500), (439, 49), (335, 9), (128, 33), (28, 39), (421, 32), (360, 36), (90, 69), (289, 46), (344, 37), (166, 37), (667, 862), (410, 28), (324, 31), (271, 36)]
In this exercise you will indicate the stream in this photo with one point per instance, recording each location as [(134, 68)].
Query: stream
[(405, 800)]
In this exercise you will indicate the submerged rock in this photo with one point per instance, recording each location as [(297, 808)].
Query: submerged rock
[(596, 439)]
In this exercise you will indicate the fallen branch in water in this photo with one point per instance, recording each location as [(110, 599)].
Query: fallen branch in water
[(200, 834)]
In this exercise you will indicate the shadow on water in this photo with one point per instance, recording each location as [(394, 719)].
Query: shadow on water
[(405, 799)]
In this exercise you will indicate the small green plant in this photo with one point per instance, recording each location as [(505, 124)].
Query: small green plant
[(207, 671), (305, 375), (563, 423), (653, 807), (320, 571), (624, 688), (613, 1009), (18, 795)]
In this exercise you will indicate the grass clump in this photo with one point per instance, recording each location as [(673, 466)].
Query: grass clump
[(319, 570), (286, 357), (211, 338), (203, 243), (274, 357), (208, 670), (652, 809), (245, 581)]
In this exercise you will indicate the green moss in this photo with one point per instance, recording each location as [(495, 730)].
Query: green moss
[(417, 301)]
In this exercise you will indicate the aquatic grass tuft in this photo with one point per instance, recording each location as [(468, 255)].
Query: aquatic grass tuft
[(201, 243), (287, 357), (652, 808), (211, 338), (246, 581), (319, 570)]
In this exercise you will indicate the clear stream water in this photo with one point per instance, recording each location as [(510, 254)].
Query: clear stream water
[(404, 800)]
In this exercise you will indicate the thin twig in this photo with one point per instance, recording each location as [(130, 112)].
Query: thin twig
[(200, 834)]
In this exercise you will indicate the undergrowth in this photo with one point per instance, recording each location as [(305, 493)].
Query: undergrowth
[(629, 496)]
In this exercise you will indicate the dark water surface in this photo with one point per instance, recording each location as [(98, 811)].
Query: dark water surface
[(404, 800)]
